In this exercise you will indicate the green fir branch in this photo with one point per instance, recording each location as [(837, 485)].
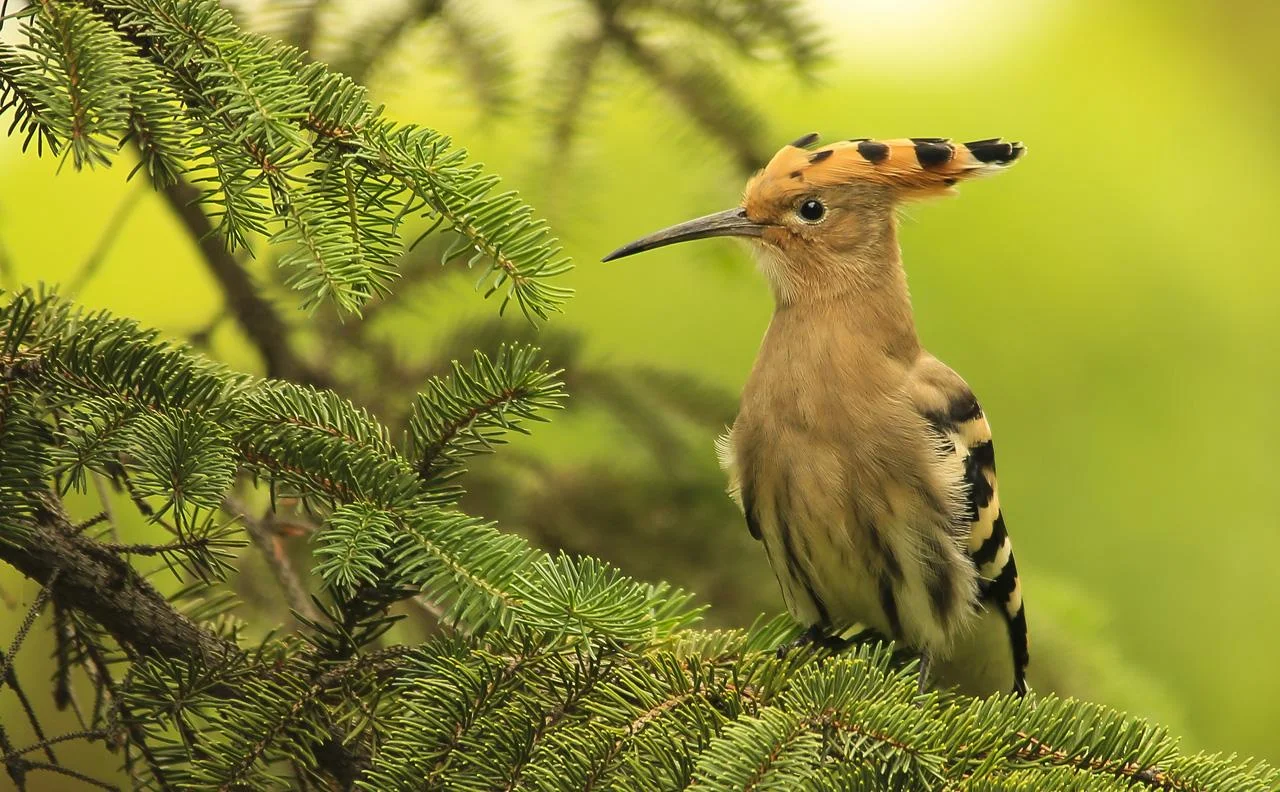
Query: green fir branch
[(281, 148), (469, 412)]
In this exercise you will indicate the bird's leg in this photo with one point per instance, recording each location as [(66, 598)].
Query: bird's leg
[(834, 643), (926, 660), (812, 635), (817, 636)]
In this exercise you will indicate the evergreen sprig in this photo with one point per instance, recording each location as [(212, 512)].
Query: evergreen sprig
[(283, 148), (469, 412)]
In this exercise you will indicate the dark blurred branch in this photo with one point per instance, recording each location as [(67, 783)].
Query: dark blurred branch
[(305, 25), (482, 58), (115, 224), (581, 58), (701, 107), (253, 312), (479, 55), (15, 764), (369, 46)]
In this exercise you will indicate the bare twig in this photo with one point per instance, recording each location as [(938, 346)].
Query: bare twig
[(155, 549), (46, 591), (62, 660), (66, 771), (110, 232), (96, 519), (100, 484), (11, 679), (45, 742), (15, 765), (15, 769), (267, 538), (98, 664)]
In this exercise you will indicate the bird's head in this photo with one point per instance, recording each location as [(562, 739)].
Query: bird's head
[(823, 219)]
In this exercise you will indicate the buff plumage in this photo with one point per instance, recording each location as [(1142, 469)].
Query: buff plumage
[(862, 463)]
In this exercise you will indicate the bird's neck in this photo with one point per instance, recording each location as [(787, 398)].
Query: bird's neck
[(865, 301)]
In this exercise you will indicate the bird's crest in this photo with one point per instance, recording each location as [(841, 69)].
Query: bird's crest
[(910, 167)]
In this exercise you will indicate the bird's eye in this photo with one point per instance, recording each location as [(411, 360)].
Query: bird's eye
[(812, 210)]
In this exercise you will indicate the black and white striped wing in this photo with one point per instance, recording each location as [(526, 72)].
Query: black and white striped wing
[(967, 434)]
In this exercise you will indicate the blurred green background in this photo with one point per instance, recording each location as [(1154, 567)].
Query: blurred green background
[(1112, 300)]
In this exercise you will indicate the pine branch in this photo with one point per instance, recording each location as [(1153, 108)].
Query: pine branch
[(291, 150), (82, 58), (19, 95), (83, 575), (97, 582), (469, 412)]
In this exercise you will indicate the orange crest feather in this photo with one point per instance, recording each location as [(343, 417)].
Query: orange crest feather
[(911, 167)]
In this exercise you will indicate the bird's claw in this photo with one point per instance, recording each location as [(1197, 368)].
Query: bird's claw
[(817, 637)]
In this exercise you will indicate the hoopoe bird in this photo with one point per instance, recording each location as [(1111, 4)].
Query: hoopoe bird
[(862, 462)]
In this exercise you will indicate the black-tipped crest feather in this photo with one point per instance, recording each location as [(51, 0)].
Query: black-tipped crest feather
[(806, 141)]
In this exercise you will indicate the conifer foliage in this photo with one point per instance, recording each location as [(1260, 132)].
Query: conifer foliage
[(545, 672)]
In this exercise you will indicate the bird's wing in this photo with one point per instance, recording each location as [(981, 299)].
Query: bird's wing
[(953, 412), (724, 453)]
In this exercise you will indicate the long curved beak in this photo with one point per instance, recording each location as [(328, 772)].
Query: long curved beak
[(730, 222)]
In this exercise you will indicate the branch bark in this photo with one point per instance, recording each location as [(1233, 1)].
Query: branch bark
[(101, 584), (89, 577)]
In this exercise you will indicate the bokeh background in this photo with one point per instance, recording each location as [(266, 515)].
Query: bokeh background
[(1112, 299)]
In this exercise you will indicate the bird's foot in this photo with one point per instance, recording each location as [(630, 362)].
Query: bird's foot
[(926, 661), (817, 637)]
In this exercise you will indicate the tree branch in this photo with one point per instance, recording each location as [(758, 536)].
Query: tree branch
[(747, 155), (97, 582), (254, 313), (266, 536), (84, 575)]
